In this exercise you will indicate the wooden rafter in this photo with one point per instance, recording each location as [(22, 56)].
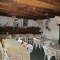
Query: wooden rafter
[(39, 4), (32, 9)]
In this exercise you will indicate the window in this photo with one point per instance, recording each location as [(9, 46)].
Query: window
[(25, 22)]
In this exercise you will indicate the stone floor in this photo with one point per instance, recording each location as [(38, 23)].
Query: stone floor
[(39, 55)]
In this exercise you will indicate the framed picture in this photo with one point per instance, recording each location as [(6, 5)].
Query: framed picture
[(15, 24), (25, 22)]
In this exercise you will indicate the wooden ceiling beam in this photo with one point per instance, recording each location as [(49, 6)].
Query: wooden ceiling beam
[(12, 9), (39, 4)]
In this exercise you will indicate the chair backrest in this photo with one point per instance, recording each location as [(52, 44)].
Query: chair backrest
[(9, 37), (47, 43), (30, 48), (45, 49), (4, 54), (34, 40), (20, 41), (49, 53)]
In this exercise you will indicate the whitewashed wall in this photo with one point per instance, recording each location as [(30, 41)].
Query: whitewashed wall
[(53, 34), (4, 20)]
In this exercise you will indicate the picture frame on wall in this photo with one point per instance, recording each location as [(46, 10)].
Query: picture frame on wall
[(25, 22), (15, 24)]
